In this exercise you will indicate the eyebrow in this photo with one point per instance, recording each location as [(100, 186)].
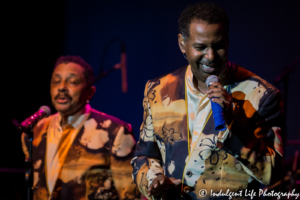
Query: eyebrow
[(70, 74), (221, 41), (203, 44), (197, 43)]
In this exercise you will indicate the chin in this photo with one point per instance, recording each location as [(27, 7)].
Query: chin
[(62, 108)]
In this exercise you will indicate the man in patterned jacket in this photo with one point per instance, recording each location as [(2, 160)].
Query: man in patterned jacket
[(80, 153), (179, 154)]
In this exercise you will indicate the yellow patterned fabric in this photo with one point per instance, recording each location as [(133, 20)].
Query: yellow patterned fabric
[(250, 153), (93, 158), (198, 108), (59, 141)]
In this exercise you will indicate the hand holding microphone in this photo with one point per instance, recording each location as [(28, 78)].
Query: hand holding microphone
[(221, 102)]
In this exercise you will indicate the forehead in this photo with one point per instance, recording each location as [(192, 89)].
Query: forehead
[(203, 30), (68, 68)]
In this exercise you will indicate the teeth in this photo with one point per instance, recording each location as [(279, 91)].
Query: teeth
[(205, 66)]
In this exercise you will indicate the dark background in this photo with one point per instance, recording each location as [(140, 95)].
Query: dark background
[(264, 38)]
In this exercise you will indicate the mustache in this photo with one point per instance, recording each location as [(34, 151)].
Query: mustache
[(65, 95)]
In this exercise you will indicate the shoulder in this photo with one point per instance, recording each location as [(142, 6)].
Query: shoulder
[(248, 81), (169, 85), (43, 124), (40, 130), (108, 120), (249, 86), (174, 76)]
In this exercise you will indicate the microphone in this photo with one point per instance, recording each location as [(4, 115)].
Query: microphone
[(27, 123), (123, 68), (217, 110)]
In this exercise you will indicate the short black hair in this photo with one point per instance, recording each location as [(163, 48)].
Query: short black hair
[(88, 70), (209, 12)]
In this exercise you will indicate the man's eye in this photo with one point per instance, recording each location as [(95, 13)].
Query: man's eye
[(220, 46), (200, 48), (55, 81), (73, 82)]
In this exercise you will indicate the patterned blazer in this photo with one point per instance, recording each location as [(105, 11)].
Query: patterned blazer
[(97, 165), (250, 151)]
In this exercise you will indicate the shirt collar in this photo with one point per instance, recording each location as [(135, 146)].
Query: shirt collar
[(189, 77), (190, 83), (77, 118)]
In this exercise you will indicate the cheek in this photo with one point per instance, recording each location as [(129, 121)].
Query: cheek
[(194, 58), (76, 94), (53, 92), (193, 53), (222, 53)]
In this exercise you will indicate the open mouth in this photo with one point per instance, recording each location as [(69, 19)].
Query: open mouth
[(62, 99), (208, 68)]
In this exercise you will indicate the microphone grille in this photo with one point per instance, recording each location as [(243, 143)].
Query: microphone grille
[(46, 109), (210, 79)]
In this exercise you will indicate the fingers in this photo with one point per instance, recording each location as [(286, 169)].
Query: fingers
[(220, 93), (159, 184), (155, 186), (175, 181), (215, 92), (151, 187), (218, 101), (161, 179), (215, 85)]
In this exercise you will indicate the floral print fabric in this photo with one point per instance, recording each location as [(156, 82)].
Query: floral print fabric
[(250, 150)]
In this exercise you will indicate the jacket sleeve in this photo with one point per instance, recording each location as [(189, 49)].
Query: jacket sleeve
[(122, 152), (259, 147), (147, 158), (24, 142), (40, 127)]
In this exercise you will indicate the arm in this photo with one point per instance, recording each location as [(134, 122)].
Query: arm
[(41, 127), (258, 146), (147, 158), (24, 141), (122, 152), (261, 157)]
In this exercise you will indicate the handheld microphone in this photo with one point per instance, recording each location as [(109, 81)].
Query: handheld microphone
[(217, 110), (123, 68), (27, 123)]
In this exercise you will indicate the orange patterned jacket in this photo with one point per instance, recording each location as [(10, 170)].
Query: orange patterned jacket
[(88, 173), (251, 153)]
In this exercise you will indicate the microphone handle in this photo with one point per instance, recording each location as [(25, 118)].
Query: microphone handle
[(218, 116), (27, 123)]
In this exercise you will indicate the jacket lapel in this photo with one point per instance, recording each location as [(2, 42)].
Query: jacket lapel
[(61, 160)]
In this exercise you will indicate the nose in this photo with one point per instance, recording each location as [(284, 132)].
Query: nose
[(62, 87), (210, 54)]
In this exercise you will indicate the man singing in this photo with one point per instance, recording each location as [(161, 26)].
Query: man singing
[(180, 155), (80, 153)]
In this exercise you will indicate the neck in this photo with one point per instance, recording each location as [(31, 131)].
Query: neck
[(65, 116), (200, 85), (64, 120)]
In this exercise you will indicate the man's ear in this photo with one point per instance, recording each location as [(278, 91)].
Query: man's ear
[(91, 92), (181, 43)]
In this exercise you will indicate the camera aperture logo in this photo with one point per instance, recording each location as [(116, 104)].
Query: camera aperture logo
[(249, 193)]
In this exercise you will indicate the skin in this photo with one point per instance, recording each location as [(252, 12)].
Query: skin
[(68, 90), (162, 183), (207, 46)]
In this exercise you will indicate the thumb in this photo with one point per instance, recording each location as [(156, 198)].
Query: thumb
[(175, 181)]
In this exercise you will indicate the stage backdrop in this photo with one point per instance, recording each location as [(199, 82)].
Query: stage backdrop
[(264, 38)]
